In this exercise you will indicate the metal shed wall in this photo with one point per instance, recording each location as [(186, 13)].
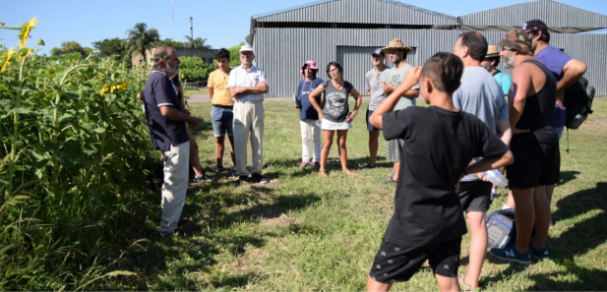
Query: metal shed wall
[(361, 11), (281, 51), (554, 14)]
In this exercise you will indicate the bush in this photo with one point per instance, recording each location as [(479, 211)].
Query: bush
[(193, 69), (72, 142)]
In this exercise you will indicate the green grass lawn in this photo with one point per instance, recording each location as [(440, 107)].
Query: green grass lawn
[(196, 90), (304, 233)]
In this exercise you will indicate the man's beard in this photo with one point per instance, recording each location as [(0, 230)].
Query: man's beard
[(509, 60), (172, 71), (488, 67)]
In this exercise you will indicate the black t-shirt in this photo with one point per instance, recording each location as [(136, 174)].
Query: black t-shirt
[(439, 145)]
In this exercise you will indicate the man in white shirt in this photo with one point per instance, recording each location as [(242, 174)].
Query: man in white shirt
[(247, 85)]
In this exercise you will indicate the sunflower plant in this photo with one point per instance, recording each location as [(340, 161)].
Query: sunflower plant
[(72, 142)]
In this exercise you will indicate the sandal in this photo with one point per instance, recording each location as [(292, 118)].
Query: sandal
[(462, 284)]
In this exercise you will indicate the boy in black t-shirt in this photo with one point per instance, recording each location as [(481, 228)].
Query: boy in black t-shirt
[(440, 142)]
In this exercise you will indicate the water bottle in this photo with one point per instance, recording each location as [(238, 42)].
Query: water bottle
[(495, 176)]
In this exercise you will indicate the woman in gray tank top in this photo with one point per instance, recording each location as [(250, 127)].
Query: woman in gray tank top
[(334, 115)]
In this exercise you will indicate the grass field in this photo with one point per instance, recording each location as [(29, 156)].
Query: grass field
[(304, 233), (196, 90)]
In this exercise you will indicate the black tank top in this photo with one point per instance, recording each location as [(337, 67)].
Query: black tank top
[(538, 115)]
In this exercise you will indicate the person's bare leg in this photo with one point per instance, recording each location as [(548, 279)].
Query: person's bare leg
[(194, 158), (446, 283), (525, 217), (549, 193), (396, 171), (373, 146), (374, 286), (478, 246), (510, 201), (542, 217), (326, 148), (342, 136), (232, 154), (219, 146)]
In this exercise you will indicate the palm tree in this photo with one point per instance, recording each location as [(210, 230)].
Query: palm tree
[(140, 39), (197, 42)]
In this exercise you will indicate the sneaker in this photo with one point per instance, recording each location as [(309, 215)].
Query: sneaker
[(511, 254), (303, 164), (242, 179), (260, 179), (387, 181), (369, 166), (203, 177), (218, 168), (316, 166), (540, 254)]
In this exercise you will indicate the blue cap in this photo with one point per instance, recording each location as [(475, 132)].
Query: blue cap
[(378, 52)]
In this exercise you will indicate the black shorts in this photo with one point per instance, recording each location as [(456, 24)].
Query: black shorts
[(394, 263), (475, 196), (535, 164)]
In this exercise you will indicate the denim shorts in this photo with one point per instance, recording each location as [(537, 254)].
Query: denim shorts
[(222, 120)]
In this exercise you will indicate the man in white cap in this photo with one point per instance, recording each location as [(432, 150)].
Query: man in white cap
[(247, 85), (374, 86)]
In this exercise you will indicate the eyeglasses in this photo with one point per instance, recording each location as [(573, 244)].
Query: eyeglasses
[(248, 54)]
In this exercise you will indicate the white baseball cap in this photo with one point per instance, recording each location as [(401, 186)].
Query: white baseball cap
[(246, 48)]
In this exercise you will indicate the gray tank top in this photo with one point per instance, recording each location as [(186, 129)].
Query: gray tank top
[(336, 102)]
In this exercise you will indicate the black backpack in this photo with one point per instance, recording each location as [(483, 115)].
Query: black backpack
[(578, 101)]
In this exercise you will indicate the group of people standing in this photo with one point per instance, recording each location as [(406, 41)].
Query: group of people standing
[(479, 119), (237, 112)]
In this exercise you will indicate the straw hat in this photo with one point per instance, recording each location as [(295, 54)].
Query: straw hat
[(492, 52), (396, 44)]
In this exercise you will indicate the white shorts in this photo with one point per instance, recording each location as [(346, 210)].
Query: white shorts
[(331, 126)]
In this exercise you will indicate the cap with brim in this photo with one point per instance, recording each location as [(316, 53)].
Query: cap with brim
[(310, 64), (517, 40), (246, 48), (396, 44), (492, 52), (378, 52)]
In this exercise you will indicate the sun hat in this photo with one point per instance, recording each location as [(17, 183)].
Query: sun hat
[(378, 52), (492, 51), (310, 64), (246, 48), (517, 40), (396, 44)]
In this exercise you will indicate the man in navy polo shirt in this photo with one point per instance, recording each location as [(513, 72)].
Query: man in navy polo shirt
[(166, 121)]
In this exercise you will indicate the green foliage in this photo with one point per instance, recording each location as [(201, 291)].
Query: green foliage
[(139, 39), (71, 47), (112, 48), (168, 43), (194, 69), (196, 43), (235, 55), (68, 158)]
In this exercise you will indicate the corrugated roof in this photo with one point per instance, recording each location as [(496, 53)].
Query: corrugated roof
[(358, 11), (558, 17)]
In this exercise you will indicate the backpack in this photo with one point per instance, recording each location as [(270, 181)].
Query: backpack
[(578, 101), (501, 229)]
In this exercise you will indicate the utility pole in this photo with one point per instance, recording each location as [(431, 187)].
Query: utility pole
[(173, 21), (192, 30)]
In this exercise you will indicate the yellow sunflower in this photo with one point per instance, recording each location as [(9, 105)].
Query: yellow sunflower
[(120, 86), (25, 31), (8, 56)]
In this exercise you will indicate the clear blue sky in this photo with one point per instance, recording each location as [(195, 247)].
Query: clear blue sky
[(222, 23)]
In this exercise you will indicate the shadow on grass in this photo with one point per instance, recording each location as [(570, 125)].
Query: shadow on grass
[(567, 176), (585, 235), (586, 280)]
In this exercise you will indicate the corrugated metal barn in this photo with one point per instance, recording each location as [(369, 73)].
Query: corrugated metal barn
[(347, 31)]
